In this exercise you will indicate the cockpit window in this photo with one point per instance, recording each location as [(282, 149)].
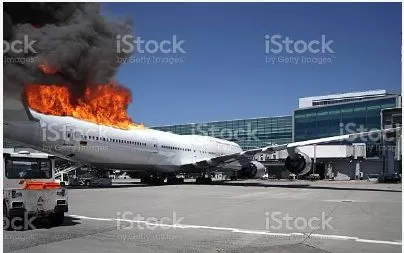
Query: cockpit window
[(25, 168)]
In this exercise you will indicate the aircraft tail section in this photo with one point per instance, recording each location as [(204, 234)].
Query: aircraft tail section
[(16, 110)]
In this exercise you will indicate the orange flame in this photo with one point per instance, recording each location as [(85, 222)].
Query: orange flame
[(46, 69), (104, 104)]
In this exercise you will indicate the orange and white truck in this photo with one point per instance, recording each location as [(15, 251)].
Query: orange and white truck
[(30, 190)]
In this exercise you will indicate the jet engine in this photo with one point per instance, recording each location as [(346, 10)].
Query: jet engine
[(299, 163), (253, 169)]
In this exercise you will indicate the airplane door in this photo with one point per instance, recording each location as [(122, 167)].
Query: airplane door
[(220, 148), (154, 157), (155, 146), (194, 153), (69, 135)]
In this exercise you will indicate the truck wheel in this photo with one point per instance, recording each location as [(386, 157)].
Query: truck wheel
[(6, 219), (57, 219)]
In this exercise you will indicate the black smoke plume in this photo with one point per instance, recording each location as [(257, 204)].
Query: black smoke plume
[(74, 38)]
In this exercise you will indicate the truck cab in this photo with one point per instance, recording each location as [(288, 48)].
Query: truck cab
[(30, 190)]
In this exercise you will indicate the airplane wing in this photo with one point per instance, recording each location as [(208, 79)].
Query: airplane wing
[(245, 156)]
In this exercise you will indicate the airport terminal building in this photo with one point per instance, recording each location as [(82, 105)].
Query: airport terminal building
[(317, 117)]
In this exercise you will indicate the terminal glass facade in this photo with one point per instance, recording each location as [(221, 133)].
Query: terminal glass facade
[(306, 123), (324, 121), (248, 133)]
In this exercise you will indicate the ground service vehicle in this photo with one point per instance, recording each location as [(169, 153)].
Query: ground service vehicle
[(30, 190)]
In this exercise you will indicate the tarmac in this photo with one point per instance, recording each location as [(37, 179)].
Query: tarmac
[(240, 216)]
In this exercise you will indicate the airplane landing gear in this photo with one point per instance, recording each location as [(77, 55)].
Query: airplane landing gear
[(234, 176), (204, 179), (173, 179), (153, 179)]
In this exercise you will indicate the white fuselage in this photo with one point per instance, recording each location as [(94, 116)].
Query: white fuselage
[(138, 149)]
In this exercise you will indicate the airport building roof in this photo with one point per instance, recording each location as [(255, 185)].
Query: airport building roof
[(306, 102)]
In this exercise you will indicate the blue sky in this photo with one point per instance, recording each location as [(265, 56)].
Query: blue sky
[(224, 73)]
